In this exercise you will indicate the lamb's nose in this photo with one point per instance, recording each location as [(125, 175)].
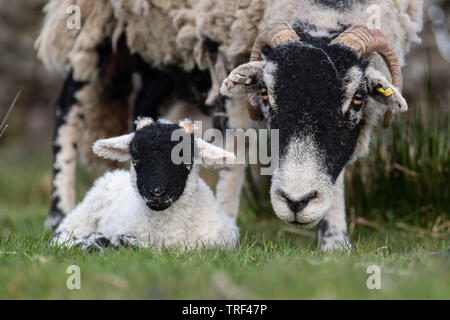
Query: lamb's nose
[(157, 191), (298, 205)]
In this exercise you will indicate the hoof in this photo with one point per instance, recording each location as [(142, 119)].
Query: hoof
[(88, 245), (94, 242), (332, 237), (333, 244), (127, 241)]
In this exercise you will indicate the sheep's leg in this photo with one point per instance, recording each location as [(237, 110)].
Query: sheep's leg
[(229, 188), (85, 112), (65, 136), (332, 230), (231, 179), (79, 228), (125, 240), (93, 241)]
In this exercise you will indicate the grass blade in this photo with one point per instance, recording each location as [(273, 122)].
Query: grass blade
[(4, 126)]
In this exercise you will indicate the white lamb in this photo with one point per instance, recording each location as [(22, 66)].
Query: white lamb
[(157, 203)]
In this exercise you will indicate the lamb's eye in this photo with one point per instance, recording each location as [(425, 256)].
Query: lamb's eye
[(358, 101), (135, 160)]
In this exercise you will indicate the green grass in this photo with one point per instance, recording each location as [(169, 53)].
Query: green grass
[(266, 266), (270, 264), (407, 172), (398, 205)]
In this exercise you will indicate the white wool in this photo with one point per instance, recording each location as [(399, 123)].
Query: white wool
[(401, 20), (301, 160), (114, 208), (65, 161), (62, 49), (179, 27)]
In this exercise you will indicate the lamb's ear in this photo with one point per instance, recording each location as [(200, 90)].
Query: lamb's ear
[(117, 148), (382, 91), (208, 154), (243, 79)]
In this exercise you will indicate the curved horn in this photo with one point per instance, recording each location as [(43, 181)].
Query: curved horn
[(273, 36), (365, 41)]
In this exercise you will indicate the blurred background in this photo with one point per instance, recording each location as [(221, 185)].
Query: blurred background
[(404, 180)]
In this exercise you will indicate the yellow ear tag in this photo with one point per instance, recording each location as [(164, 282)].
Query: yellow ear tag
[(387, 93)]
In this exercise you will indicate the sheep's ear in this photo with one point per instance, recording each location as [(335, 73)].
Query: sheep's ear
[(117, 148), (208, 154), (242, 80), (382, 91)]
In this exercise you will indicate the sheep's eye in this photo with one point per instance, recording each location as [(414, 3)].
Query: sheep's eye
[(358, 101), (135, 160), (264, 94)]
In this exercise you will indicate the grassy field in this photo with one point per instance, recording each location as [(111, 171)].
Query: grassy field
[(397, 203), (275, 261), (269, 265), (398, 214)]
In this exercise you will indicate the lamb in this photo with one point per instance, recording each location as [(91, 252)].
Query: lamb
[(317, 73), (157, 203)]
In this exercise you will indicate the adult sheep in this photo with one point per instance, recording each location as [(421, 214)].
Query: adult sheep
[(317, 74)]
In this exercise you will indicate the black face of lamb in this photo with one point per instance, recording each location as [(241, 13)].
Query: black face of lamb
[(309, 90), (160, 182)]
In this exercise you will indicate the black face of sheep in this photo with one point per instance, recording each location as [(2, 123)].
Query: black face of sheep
[(159, 180), (318, 99), (316, 96)]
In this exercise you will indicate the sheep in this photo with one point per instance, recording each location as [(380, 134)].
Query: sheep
[(200, 42), (157, 203)]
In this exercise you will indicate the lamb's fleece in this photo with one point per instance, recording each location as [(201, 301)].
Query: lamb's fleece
[(172, 32), (114, 209)]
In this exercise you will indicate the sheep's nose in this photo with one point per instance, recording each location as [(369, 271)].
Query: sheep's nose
[(298, 205), (157, 191)]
